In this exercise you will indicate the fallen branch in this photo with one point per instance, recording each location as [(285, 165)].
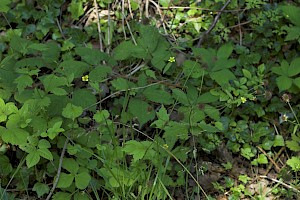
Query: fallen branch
[(213, 24)]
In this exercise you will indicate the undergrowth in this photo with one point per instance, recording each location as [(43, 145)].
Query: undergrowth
[(167, 100)]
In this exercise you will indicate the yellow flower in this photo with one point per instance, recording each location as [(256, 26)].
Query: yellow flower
[(85, 78), (165, 146), (243, 99), (171, 59)]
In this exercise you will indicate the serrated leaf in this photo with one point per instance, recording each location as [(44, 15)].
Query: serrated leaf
[(284, 83), (293, 33), (163, 118), (23, 81), (82, 180), (38, 46), (101, 116), (296, 81), (76, 9), (142, 110), (262, 159), (207, 98), (70, 165), (122, 84), (71, 111), (40, 189), (247, 73), (78, 68), (65, 180), (99, 73), (87, 95), (293, 145), (32, 159), (158, 95), (52, 83), (180, 96), (223, 76), (192, 69), (149, 38), (225, 51), (294, 163), (212, 112), (44, 144), (45, 153), (292, 13), (14, 136), (137, 149), (4, 5), (91, 56), (123, 50), (294, 68), (278, 141), (62, 195)]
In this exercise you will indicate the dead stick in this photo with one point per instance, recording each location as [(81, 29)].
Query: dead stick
[(213, 24)]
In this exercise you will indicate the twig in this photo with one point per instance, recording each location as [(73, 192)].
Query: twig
[(275, 158), (213, 24), (98, 25), (277, 168), (60, 29), (282, 183), (59, 169)]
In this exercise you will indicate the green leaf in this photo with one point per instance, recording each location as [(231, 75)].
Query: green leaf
[(163, 118), (293, 145), (284, 83), (293, 33), (4, 5), (223, 76), (247, 73), (45, 153), (14, 136), (38, 47), (23, 81), (142, 110), (76, 9), (262, 159), (137, 149), (70, 165), (244, 178), (149, 38), (54, 130), (78, 68), (122, 84), (207, 98), (101, 116), (40, 189), (279, 141), (180, 96), (192, 69), (82, 180), (65, 180), (292, 13), (294, 163), (225, 51), (294, 68), (5, 166), (52, 83), (71, 111), (123, 50), (32, 159), (296, 81), (84, 98), (62, 195), (91, 56), (99, 73), (212, 112), (158, 95)]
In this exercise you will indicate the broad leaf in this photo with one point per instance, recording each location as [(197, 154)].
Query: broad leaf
[(82, 180), (32, 159), (137, 149)]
